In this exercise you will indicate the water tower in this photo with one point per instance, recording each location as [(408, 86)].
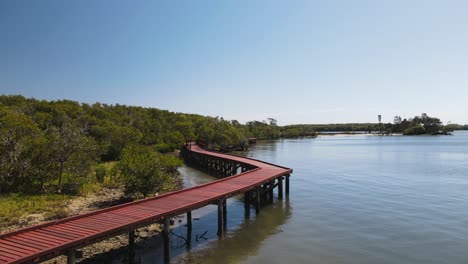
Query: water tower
[(380, 124)]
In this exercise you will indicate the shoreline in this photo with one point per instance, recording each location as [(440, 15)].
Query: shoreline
[(341, 134)]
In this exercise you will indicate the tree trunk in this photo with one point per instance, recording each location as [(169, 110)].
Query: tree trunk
[(60, 175)]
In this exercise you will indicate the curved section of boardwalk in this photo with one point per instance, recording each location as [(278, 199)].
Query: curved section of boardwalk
[(41, 242)]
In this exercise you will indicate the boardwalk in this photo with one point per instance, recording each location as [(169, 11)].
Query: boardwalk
[(45, 241)]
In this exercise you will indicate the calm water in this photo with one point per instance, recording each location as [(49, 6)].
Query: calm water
[(356, 199)]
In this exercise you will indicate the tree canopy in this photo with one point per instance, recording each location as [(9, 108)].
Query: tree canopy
[(45, 144)]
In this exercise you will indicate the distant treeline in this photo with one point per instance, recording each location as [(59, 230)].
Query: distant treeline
[(457, 127), (418, 125), (350, 127)]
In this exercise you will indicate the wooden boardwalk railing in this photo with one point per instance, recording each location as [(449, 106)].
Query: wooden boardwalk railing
[(256, 180)]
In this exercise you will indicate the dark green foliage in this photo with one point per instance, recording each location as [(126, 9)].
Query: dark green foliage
[(101, 172), (49, 145), (264, 130), (71, 150), (294, 131), (143, 170), (349, 127), (420, 125), (221, 134), (113, 127), (415, 130), (170, 163), (38, 150), (431, 125), (19, 138), (452, 127), (165, 148)]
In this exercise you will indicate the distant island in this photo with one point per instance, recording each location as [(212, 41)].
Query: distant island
[(418, 125)]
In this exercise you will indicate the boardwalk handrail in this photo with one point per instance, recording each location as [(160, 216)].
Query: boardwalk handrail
[(77, 231)]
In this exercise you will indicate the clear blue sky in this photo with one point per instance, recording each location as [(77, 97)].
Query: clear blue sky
[(297, 61)]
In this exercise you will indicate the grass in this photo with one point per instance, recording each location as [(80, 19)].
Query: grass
[(14, 206), (103, 175), (109, 176)]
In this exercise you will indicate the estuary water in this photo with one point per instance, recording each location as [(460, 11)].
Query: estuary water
[(353, 199)]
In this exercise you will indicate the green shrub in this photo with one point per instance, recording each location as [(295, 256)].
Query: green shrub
[(100, 172), (164, 147), (415, 130), (142, 171)]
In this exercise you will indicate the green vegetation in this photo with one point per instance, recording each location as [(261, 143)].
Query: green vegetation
[(350, 127), (61, 146), (145, 171), (456, 127), (264, 130), (49, 147), (270, 130), (13, 206), (419, 125)]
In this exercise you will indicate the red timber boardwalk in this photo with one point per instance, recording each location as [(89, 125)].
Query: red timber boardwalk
[(253, 178)]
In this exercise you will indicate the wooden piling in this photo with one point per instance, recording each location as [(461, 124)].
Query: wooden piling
[(247, 204), (280, 187), (131, 246), (258, 194), (167, 244), (220, 217), (287, 184), (271, 186), (189, 230), (224, 214), (71, 256), (264, 194)]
